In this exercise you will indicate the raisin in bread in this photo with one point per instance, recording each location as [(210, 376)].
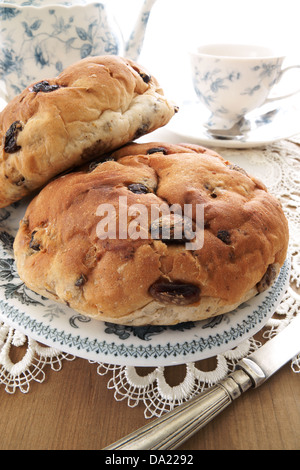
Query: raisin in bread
[(152, 280), (92, 107)]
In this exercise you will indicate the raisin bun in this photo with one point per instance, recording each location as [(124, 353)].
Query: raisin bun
[(152, 279), (94, 106)]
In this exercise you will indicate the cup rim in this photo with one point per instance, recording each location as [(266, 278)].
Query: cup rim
[(273, 54)]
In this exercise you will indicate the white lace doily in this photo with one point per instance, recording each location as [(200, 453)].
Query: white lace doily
[(278, 166)]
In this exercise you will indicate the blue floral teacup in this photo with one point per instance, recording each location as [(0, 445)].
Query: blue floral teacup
[(232, 80), (38, 42)]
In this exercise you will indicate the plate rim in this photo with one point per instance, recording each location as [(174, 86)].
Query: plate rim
[(27, 325)]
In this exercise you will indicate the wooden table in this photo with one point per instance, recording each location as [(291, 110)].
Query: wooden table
[(73, 410)]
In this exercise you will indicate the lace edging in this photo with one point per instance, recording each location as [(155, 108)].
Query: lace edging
[(19, 375)]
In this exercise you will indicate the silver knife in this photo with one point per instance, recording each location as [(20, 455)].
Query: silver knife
[(175, 427)]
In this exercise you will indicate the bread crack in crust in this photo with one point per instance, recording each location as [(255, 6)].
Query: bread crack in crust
[(152, 279), (92, 107)]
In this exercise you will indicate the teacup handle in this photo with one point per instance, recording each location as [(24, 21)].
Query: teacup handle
[(275, 98)]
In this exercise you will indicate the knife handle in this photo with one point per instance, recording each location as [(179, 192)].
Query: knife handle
[(175, 427)]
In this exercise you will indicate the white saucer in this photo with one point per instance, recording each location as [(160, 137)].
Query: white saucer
[(272, 122)]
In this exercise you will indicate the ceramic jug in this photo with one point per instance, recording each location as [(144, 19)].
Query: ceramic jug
[(39, 38)]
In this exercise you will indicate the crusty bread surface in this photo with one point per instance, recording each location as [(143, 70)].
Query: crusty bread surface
[(144, 280), (93, 106)]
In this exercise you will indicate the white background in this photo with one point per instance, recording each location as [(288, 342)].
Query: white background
[(177, 25)]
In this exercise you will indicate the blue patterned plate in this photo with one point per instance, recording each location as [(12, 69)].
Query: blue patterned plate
[(58, 326)]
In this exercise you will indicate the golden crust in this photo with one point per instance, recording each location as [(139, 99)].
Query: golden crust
[(92, 107), (60, 256)]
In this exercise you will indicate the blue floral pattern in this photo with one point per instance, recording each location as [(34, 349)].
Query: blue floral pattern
[(144, 332), (39, 43), (40, 38), (213, 82), (57, 2)]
